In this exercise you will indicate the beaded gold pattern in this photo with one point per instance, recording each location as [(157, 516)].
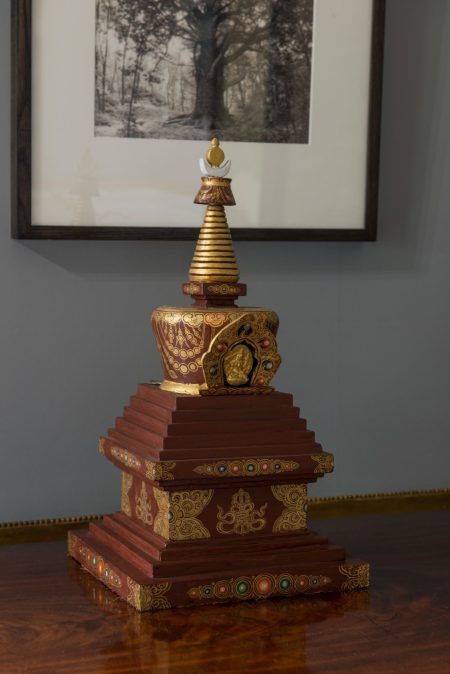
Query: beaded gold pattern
[(243, 516), (258, 587), (181, 336), (144, 506), (148, 597), (246, 467), (125, 457), (98, 566), (324, 461), (294, 498), (224, 289), (127, 483), (357, 576)]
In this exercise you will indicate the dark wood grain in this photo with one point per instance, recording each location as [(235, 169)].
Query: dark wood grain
[(21, 225), (56, 619)]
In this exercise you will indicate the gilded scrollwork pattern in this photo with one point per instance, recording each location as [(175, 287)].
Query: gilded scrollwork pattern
[(294, 498), (177, 518), (357, 576), (144, 506), (324, 462), (127, 483), (243, 517), (184, 508), (148, 597)]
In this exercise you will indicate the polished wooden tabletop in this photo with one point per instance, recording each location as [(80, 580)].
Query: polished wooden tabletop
[(56, 619)]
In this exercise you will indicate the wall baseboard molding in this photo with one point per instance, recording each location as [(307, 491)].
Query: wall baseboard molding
[(319, 508)]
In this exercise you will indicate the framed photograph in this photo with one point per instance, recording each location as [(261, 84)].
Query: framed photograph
[(114, 102)]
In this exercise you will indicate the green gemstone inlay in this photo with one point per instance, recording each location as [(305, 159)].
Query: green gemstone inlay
[(242, 587)]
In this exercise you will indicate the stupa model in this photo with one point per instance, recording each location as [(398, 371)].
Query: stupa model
[(215, 463)]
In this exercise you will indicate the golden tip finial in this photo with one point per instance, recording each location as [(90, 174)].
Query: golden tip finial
[(215, 154)]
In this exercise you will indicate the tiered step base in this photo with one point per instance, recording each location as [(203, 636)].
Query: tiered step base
[(150, 574)]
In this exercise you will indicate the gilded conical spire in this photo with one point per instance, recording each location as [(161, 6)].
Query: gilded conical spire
[(214, 258)]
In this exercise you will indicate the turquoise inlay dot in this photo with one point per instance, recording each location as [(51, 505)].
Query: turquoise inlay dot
[(250, 467), (106, 573), (242, 587), (125, 458), (94, 560), (285, 583), (305, 507), (170, 515)]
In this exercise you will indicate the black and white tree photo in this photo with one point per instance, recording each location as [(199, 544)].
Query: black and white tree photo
[(190, 69)]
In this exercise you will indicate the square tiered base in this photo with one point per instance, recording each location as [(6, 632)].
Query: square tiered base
[(214, 504)]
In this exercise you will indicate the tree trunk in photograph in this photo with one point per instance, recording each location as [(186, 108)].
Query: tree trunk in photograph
[(209, 111), (209, 65), (134, 87)]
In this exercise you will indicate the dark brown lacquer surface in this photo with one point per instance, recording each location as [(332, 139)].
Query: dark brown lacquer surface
[(57, 619)]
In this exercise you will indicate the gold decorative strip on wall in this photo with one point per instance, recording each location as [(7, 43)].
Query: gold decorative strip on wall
[(319, 508)]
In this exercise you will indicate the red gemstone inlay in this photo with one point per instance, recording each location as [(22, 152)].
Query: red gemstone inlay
[(264, 585)]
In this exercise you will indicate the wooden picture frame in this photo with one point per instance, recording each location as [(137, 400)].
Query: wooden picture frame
[(21, 158)]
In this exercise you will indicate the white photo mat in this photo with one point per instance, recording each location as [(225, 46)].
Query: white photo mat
[(151, 182)]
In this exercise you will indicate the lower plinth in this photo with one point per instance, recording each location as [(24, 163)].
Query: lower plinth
[(314, 566)]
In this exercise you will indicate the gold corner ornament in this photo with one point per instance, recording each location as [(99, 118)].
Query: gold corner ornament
[(148, 597), (159, 470), (324, 461), (215, 155), (243, 516), (177, 517), (294, 498), (127, 483), (185, 506), (144, 506), (357, 576)]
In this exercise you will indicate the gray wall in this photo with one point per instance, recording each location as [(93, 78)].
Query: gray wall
[(365, 328)]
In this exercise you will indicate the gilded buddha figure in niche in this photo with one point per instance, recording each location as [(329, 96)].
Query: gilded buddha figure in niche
[(237, 365)]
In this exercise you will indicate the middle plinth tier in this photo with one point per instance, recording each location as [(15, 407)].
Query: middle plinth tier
[(172, 439)]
